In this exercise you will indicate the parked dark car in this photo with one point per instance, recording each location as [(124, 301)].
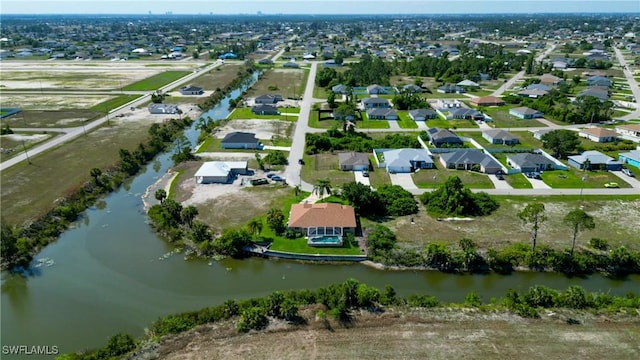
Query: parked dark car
[(499, 176), (365, 173), (260, 181), (277, 178), (270, 175), (300, 162)]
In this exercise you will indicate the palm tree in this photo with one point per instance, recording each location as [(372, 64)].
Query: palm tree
[(160, 195), (95, 174), (297, 190), (578, 220), (188, 214), (255, 226), (322, 186)]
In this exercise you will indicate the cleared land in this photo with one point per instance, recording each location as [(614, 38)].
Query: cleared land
[(425, 177), (156, 81), (217, 78), (413, 334), (13, 144), (50, 119), (271, 132), (322, 166), (289, 83), (52, 102)]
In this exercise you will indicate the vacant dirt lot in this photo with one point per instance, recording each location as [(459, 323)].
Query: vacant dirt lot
[(412, 334), (264, 129), (52, 102)]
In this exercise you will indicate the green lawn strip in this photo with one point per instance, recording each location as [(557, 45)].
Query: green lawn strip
[(156, 81), (322, 166), (245, 113), (175, 184), (439, 123), (113, 103), (365, 123), (424, 178), (405, 122), (321, 124), (481, 92), (572, 179), (525, 199)]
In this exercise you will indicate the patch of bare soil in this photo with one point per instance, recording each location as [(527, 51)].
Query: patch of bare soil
[(411, 334)]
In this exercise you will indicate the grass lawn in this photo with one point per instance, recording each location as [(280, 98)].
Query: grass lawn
[(502, 119), (610, 149), (322, 166), (217, 78), (245, 113), (213, 144), (289, 83), (572, 179), (18, 146), (50, 119), (156, 81), (527, 140), (439, 123), (300, 246), (481, 92), (405, 122), (365, 123), (325, 123), (113, 103), (424, 178), (321, 93)]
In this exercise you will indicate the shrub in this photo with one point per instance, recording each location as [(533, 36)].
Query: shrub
[(599, 244), (254, 318)]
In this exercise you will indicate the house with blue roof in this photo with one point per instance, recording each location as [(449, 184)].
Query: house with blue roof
[(631, 158)]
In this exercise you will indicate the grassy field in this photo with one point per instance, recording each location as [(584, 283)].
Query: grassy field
[(572, 179), (424, 178), (28, 191), (217, 78), (405, 122), (502, 119), (289, 83), (17, 147), (50, 119), (113, 103), (325, 123), (300, 246), (371, 124), (245, 113), (321, 166), (156, 81)]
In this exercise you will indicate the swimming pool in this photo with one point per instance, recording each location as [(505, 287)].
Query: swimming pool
[(326, 240)]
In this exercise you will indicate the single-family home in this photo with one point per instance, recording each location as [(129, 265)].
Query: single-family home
[(539, 87), (375, 103), (598, 81), (465, 113), (599, 134), (468, 84), (228, 55), (268, 99), (538, 134), (451, 89), (220, 171), (499, 136), (163, 108), (291, 65), (353, 161), (376, 90), (549, 79), (241, 140), (322, 220), (629, 130), (470, 159), (340, 89), (632, 158), (412, 88), (524, 112), (265, 110), (487, 101), (407, 160), (529, 162), (594, 160), (191, 90), (382, 114), (422, 114), (533, 93), (600, 92), (444, 138)]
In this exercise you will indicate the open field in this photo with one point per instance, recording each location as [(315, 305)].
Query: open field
[(53, 102), (289, 83), (405, 333), (572, 179), (30, 190), (321, 166), (245, 113), (217, 78), (13, 144), (50, 119), (156, 81), (611, 217)]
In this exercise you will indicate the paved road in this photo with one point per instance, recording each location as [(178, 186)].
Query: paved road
[(520, 75), (629, 180), (292, 172), (278, 55), (633, 84), (78, 131)]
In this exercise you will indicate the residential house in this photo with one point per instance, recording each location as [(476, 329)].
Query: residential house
[(548, 79), (340, 89), (228, 55), (599, 134), (382, 114), (487, 101), (465, 113), (412, 88), (629, 130), (241, 140), (534, 93), (291, 65), (422, 114), (444, 138), (524, 112), (353, 161), (220, 171), (542, 87), (451, 89), (600, 92), (265, 110), (322, 219), (268, 99), (376, 90), (632, 158), (499, 136), (594, 160), (376, 103), (598, 81), (191, 90), (470, 159), (529, 162), (468, 84), (163, 109), (539, 133), (407, 160)]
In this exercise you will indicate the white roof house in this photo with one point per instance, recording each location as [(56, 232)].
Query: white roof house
[(219, 171)]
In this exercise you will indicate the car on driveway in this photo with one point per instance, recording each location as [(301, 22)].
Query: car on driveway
[(300, 162), (271, 175), (611, 185), (628, 172), (277, 178), (499, 176), (365, 173)]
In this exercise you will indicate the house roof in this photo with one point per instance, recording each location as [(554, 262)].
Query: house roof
[(353, 158), (601, 93), (381, 112), (633, 154), (599, 132), (549, 79), (533, 92), (440, 134), (219, 168), (325, 214), (487, 100), (269, 97), (464, 112), (412, 88), (524, 110), (376, 87), (403, 157), (375, 100), (451, 88), (539, 87), (421, 112), (500, 134), (528, 160), (468, 83), (190, 88), (340, 89), (461, 157), (631, 127), (594, 157), (240, 137)]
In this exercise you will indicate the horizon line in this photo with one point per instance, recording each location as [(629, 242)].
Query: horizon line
[(170, 13)]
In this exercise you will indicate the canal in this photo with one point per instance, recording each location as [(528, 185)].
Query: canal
[(111, 273)]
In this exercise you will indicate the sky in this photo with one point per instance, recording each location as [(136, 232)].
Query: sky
[(314, 6)]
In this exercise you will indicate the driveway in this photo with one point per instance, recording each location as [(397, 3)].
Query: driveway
[(499, 184), (404, 180), (538, 184), (361, 179), (281, 148), (629, 180), (393, 124), (422, 125)]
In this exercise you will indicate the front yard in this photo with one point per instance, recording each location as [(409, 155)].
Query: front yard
[(424, 178), (245, 113), (572, 179)]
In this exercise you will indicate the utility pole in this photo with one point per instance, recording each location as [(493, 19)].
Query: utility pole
[(25, 152)]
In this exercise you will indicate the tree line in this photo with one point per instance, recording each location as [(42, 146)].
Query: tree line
[(341, 301), (334, 140)]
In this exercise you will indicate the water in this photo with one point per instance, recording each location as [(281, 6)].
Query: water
[(112, 274)]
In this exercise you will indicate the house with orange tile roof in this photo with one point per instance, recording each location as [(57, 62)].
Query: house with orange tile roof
[(599, 134), (324, 224)]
